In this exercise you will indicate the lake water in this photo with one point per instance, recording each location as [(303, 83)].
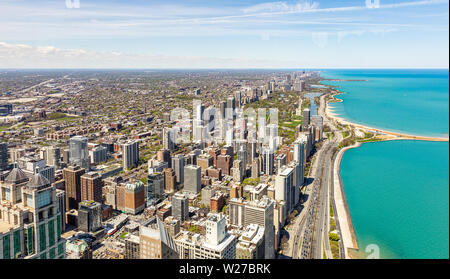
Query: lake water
[(397, 191)]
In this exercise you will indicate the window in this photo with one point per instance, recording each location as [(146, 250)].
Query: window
[(52, 253), (7, 194), (43, 256), (18, 194), (30, 244), (43, 198), (51, 233), (6, 247), (58, 227), (60, 248), (17, 248), (42, 237), (29, 200)]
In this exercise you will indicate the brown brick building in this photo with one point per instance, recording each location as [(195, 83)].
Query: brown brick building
[(217, 202), (169, 180), (204, 161), (224, 163), (91, 187)]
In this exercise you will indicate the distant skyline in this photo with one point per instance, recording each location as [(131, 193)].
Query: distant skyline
[(204, 34)]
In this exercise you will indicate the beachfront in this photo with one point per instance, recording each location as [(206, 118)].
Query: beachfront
[(342, 212)]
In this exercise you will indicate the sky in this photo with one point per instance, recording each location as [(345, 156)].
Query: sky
[(298, 34)]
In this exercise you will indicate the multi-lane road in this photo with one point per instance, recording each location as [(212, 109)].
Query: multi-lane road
[(311, 232)]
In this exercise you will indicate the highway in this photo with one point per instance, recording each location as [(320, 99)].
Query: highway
[(312, 230)]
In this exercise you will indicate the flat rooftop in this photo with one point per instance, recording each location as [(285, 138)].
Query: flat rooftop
[(4, 227)]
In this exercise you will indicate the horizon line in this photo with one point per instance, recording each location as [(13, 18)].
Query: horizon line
[(265, 68)]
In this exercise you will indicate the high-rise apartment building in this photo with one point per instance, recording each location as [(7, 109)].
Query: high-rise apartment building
[(261, 212), (251, 243), (224, 163), (98, 154), (89, 216), (178, 167), (169, 180), (155, 186), (53, 156), (192, 179), (91, 187), (284, 187), (205, 161), (134, 195), (72, 177), (305, 117), (156, 242), (180, 207), (130, 154), (168, 139), (78, 152), (3, 156), (216, 244)]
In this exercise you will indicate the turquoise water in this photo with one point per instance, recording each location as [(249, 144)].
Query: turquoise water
[(312, 106), (397, 194), (398, 191), (408, 101)]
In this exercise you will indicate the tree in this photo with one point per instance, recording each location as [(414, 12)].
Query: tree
[(333, 236)]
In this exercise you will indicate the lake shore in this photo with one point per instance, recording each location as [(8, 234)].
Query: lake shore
[(350, 246), (381, 134), (348, 236)]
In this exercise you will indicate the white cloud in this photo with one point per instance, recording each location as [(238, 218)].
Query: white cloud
[(24, 56), (282, 6)]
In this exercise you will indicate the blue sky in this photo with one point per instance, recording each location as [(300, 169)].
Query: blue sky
[(224, 34)]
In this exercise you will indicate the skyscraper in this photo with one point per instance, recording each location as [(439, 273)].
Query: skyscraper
[(53, 156), (231, 106), (91, 187), (3, 156), (223, 107), (283, 187), (305, 117), (242, 155), (72, 176), (169, 180), (78, 152), (168, 139), (155, 186), (156, 243), (192, 178), (130, 154), (180, 207), (178, 167), (30, 220), (261, 212), (299, 155), (268, 161), (89, 216)]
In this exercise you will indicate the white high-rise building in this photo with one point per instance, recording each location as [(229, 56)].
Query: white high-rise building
[(130, 154), (98, 154), (217, 244), (215, 228), (261, 212), (192, 178), (283, 187)]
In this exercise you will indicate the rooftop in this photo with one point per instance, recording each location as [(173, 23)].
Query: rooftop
[(4, 227)]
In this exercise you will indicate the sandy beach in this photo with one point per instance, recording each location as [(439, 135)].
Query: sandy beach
[(343, 214), (382, 134)]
